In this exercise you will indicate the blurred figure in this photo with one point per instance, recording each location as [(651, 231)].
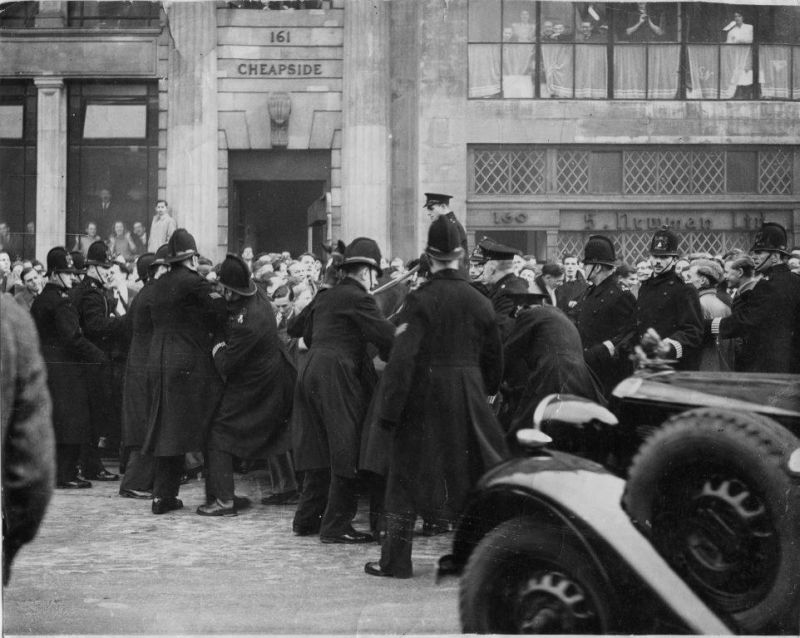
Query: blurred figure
[(120, 242), (628, 279), (28, 444), (83, 242), (6, 280), (138, 239)]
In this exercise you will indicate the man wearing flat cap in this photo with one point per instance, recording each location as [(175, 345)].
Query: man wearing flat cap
[(252, 420), (187, 313), (438, 205), (770, 320), (498, 273), (447, 358)]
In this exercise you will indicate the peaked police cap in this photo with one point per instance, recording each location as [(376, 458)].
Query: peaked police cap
[(436, 198)]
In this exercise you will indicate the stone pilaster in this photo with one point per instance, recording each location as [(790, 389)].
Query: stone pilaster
[(192, 122), (51, 165), (366, 132)]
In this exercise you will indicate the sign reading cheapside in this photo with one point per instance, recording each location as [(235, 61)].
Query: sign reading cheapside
[(281, 69)]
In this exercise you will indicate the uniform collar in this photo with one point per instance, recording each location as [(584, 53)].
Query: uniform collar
[(449, 273)]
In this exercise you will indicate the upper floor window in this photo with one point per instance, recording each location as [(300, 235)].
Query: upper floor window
[(113, 15), (655, 51), (277, 6), (18, 15)]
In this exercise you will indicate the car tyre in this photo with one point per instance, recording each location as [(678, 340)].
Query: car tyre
[(711, 490), (526, 577)]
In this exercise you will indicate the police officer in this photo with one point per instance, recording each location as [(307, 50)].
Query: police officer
[(103, 328), (447, 358), (605, 316), (136, 394), (669, 307), (498, 272), (187, 313), (438, 205), (334, 387), (252, 420), (66, 352), (770, 319)]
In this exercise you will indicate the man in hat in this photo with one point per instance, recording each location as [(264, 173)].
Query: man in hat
[(66, 353), (498, 272), (446, 360), (668, 309), (252, 420), (136, 394), (605, 315), (334, 387), (187, 313), (770, 320), (105, 329)]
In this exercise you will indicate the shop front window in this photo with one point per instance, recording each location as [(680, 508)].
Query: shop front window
[(112, 172), (113, 15), (640, 51), (18, 169)]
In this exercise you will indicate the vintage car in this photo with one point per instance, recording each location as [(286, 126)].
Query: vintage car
[(677, 509)]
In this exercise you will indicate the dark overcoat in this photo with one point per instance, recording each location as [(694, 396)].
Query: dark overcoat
[(606, 312), (569, 295), (66, 352), (770, 321), (504, 305), (672, 308), (446, 361), (336, 378), (188, 315), (252, 420), (544, 356), (136, 393)]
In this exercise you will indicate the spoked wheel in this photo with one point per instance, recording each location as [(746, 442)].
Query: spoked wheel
[(526, 578), (711, 490)]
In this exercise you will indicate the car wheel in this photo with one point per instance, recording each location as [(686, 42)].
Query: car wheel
[(528, 578), (711, 491)]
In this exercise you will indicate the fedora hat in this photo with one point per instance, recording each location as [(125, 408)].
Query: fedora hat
[(363, 250)]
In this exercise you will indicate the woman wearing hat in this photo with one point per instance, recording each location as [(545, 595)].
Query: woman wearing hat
[(66, 352), (705, 275)]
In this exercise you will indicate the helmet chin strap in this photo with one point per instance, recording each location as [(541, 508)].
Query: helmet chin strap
[(591, 273), (766, 263)]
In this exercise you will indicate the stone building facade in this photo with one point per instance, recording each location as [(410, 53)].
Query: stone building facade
[(281, 128)]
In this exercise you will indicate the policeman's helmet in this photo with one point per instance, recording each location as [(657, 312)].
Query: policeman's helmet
[(363, 250), (143, 265), (59, 261), (161, 256), (444, 243), (665, 243), (771, 237), (97, 255), (235, 275), (599, 250), (181, 246)]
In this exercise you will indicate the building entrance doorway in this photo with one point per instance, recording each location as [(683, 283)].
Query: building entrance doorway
[(273, 214)]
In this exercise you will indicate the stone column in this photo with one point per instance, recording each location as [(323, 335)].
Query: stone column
[(366, 131), (51, 165), (192, 123)]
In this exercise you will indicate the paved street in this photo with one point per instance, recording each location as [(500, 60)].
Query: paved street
[(102, 564)]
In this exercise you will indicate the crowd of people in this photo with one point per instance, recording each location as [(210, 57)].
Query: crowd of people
[(354, 376)]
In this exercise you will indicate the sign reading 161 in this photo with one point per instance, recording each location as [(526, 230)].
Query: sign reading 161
[(280, 37)]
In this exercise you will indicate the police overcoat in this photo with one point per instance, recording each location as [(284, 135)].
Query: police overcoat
[(136, 393), (544, 356), (770, 321), (503, 304), (252, 421), (672, 308), (185, 385), (606, 313), (446, 360), (336, 378), (66, 352)]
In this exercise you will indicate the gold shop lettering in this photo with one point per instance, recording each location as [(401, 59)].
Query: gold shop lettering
[(280, 69), (510, 218)]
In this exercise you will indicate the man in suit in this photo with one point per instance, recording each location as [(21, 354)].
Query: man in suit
[(770, 319), (66, 352), (446, 360), (670, 307), (334, 386), (188, 315), (27, 430), (605, 315), (550, 281), (572, 290), (498, 273)]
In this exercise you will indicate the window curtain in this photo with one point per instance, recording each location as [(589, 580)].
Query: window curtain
[(773, 71), (737, 68), (484, 70), (655, 65), (557, 69), (591, 71), (703, 71), (518, 67)]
